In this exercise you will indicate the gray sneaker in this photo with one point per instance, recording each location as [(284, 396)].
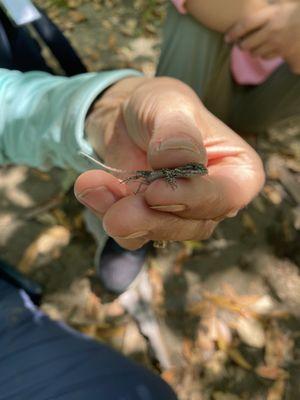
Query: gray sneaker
[(117, 268)]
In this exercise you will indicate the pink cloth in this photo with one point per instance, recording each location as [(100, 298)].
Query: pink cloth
[(180, 5), (246, 69)]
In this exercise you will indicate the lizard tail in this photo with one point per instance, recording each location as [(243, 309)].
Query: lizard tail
[(101, 165)]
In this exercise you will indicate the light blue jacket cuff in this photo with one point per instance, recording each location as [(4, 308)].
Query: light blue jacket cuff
[(42, 116)]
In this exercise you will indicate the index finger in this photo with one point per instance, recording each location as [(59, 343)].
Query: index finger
[(247, 25)]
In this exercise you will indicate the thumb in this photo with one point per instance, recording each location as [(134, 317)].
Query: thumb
[(176, 140), (163, 117)]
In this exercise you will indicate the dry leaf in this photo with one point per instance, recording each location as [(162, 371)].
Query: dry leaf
[(43, 176), (234, 303), (273, 194), (170, 376), (238, 358), (49, 243), (93, 307), (279, 346), (188, 349), (225, 396), (224, 336), (249, 223), (251, 332), (272, 373), (157, 285), (296, 216), (276, 392), (77, 16), (112, 41), (205, 345), (263, 306), (215, 367)]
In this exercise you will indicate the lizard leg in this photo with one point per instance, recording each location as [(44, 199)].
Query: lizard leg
[(130, 178), (171, 180), (144, 182)]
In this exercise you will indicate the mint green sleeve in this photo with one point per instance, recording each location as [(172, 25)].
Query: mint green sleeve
[(42, 116)]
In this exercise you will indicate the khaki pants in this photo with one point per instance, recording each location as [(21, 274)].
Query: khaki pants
[(199, 57)]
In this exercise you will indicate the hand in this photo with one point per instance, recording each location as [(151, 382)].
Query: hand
[(145, 123), (271, 32)]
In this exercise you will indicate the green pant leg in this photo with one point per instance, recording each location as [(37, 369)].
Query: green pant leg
[(274, 105), (199, 57)]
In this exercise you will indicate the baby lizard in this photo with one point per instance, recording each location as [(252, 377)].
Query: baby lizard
[(148, 176)]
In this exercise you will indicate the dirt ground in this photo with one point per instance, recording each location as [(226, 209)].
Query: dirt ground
[(225, 313)]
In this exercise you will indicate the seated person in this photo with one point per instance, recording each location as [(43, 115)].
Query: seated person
[(254, 86)]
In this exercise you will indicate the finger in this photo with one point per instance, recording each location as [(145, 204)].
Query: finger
[(264, 51), (270, 56), (131, 222), (98, 190), (161, 118), (131, 244), (197, 198), (177, 135), (254, 40), (248, 24), (235, 177)]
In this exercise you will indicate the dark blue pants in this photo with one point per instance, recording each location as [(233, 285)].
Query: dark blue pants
[(41, 360)]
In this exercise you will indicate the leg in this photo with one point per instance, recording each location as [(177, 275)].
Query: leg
[(41, 360), (274, 105), (199, 57)]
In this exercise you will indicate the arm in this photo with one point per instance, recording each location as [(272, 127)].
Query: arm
[(42, 116), (220, 15)]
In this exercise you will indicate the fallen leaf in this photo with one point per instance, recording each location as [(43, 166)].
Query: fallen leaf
[(77, 16), (49, 243), (273, 194), (263, 306), (249, 223), (224, 396), (279, 346), (188, 349), (276, 392), (224, 336), (170, 376), (272, 373), (238, 358), (251, 332)]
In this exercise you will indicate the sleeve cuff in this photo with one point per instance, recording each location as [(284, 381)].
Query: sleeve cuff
[(74, 140)]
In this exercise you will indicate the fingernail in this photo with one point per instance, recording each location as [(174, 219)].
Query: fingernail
[(176, 144), (218, 219), (232, 214), (98, 199), (170, 208), (134, 235)]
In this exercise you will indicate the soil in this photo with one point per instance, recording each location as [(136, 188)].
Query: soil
[(229, 308)]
